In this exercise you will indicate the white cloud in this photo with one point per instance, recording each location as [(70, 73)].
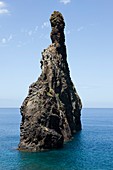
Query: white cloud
[(7, 40), (65, 1), (3, 8), (4, 11), (10, 38), (45, 24), (85, 27), (80, 28), (30, 32), (2, 4), (4, 40), (36, 28)]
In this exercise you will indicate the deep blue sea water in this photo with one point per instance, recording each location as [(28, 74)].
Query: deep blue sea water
[(91, 149)]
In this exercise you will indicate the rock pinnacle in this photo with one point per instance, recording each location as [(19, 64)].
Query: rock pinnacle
[(51, 111)]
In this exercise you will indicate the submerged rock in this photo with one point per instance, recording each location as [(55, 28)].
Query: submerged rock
[(51, 111)]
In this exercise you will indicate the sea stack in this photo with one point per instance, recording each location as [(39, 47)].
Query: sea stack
[(51, 111)]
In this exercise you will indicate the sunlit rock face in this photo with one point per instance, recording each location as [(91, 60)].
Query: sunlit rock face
[(51, 111)]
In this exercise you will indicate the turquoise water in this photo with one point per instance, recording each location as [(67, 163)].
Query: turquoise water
[(91, 149)]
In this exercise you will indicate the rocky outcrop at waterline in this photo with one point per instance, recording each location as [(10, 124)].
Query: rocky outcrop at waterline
[(51, 111)]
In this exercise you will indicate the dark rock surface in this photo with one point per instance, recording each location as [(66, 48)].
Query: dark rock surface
[(51, 111)]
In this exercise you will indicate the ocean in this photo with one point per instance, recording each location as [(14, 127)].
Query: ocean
[(90, 149)]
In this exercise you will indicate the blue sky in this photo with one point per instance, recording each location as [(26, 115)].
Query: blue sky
[(24, 33)]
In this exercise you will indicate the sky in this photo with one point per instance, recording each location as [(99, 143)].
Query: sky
[(25, 32)]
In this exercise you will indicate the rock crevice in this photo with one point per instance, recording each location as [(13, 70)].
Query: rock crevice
[(51, 111)]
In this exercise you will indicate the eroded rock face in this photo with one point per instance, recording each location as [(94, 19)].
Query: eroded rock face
[(51, 111)]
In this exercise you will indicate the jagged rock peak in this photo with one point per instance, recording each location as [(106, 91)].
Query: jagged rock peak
[(57, 24), (51, 111)]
